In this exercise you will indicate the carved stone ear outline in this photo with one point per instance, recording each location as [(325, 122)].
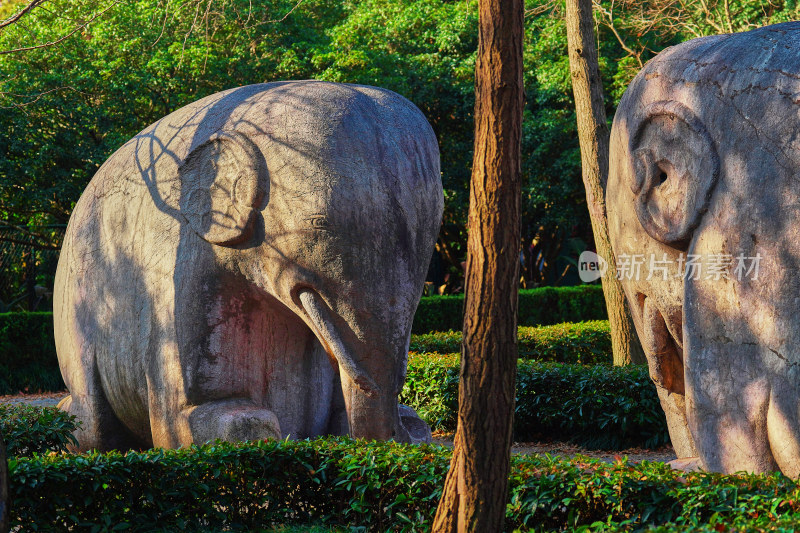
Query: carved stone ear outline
[(223, 182), (645, 179)]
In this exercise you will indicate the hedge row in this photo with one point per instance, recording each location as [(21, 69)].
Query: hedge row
[(373, 486), (542, 306), (28, 353), (599, 407), (586, 343)]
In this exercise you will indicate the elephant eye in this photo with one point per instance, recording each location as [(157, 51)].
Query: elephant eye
[(318, 222)]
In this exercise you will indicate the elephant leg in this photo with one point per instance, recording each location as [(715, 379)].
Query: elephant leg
[(414, 429), (338, 424), (100, 428), (419, 432), (728, 416)]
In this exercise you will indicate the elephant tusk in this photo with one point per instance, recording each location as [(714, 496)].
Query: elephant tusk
[(319, 316)]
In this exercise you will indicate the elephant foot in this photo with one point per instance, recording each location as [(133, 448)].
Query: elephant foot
[(232, 421), (419, 432), (686, 464)]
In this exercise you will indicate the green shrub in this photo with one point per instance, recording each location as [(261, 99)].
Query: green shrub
[(27, 429), (28, 353), (375, 486), (542, 306), (227, 485), (582, 342), (594, 406)]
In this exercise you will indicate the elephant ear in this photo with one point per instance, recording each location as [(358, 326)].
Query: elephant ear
[(222, 184), (676, 167)]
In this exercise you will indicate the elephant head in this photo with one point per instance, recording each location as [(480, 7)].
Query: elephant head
[(704, 219)]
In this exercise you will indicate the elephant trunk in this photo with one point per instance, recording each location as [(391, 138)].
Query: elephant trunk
[(371, 417), (372, 410)]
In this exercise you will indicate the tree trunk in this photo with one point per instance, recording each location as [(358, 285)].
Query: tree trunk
[(476, 487), (594, 139)]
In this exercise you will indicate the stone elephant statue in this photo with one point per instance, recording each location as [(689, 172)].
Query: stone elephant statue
[(249, 267), (703, 203)]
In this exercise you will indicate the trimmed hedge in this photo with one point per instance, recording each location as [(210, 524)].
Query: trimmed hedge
[(28, 430), (599, 407), (373, 486), (582, 342), (28, 353), (542, 306)]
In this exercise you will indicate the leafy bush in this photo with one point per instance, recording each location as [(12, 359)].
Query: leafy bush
[(595, 406), (542, 306), (222, 485), (28, 353), (27, 429), (582, 342), (377, 486)]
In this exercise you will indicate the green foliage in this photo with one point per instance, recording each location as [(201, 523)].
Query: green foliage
[(585, 343), (68, 107), (27, 429), (542, 306), (374, 486), (555, 494), (221, 485), (598, 406), (28, 353)]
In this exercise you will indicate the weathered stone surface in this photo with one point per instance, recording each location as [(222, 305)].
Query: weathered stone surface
[(249, 267), (705, 160)]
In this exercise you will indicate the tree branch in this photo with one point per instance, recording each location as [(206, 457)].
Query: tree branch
[(24, 11), (63, 38)]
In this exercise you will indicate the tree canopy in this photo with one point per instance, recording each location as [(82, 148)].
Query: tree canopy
[(127, 63)]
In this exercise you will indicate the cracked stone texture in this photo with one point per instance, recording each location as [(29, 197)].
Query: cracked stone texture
[(249, 267), (705, 159)]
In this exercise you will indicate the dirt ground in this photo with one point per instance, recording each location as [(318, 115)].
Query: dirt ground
[(41, 399), (563, 449), (566, 449)]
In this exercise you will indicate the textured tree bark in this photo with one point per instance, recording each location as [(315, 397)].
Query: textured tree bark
[(476, 487), (593, 137)]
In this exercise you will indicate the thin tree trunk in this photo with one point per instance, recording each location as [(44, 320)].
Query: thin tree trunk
[(476, 487), (594, 139)]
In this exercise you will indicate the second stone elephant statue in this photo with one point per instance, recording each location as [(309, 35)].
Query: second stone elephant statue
[(249, 267), (704, 214)]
